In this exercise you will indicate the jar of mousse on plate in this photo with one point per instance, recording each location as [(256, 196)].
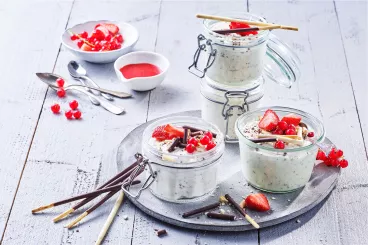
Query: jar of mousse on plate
[(241, 59), (284, 165), (183, 154), (222, 105)]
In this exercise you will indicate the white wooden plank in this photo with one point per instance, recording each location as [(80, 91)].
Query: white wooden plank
[(81, 144), (353, 22), (29, 44), (180, 92)]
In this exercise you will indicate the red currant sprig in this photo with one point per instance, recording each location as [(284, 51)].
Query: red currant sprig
[(333, 158)]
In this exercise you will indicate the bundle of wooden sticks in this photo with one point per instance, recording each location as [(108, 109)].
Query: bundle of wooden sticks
[(111, 187)]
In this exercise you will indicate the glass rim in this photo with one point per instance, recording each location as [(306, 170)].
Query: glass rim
[(285, 109)]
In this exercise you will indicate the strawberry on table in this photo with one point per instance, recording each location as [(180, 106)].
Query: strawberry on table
[(257, 202), (113, 29), (269, 121), (292, 119)]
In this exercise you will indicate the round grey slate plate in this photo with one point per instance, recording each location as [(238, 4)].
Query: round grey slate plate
[(283, 206)]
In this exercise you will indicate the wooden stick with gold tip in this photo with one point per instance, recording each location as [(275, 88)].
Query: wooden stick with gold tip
[(111, 217), (255, 23)]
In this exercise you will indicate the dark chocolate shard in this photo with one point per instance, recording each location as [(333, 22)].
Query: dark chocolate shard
[(174, 144), (221, 216), (193, 129), (186, 135)]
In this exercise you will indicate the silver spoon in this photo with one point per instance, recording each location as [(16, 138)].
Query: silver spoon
[(50, 80), (76, 70), (71, 72)]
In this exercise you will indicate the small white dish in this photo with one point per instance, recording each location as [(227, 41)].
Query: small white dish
[(142, 83), (129, 33)]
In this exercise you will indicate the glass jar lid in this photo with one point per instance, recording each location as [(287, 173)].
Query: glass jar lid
[(216, 92)]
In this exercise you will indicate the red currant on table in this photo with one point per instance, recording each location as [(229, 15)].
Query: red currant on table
[(321, 155), (334, 162), (290, 132), (333, 154), (279, 144), (343, 163), (205, 140), (210, 145), (77, 114), (310, 134), (60, 93), (60, 82), (55, 108), (193, 141), (283, 125), (209, 134), (69, 114), (339, 153), (190, 148), (73, 104)]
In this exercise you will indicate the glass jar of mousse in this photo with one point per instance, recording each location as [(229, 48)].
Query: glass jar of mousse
[(241, 60), (222, 105), (180, 176), (277, 170)]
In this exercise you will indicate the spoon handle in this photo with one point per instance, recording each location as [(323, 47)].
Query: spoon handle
[(106, 96), (107, 91), (105, 104)]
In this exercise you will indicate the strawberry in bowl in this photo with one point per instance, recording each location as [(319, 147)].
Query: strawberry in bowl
[(100, 41)]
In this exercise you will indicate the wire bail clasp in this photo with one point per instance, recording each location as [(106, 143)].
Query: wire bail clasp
[(211, 57), (138, 170)]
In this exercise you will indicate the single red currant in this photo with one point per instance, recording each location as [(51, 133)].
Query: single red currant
[(339, 153), (119, 38), (69, 114), (310, 134), (209, 134), (343, 163), (60, 93), (321, 155), (334, 162), (84, 34), (210, 145), (55, 108), (333, 154), (327, 162), (279, 145), (190, 148), (291, 126), (60, 82), (108, 37), (74, 37), (118, 46), (80, 43), (77, 114), (290, 132), (193, 141), (278, 131), (205, 140), (73, 104), (283, 125)]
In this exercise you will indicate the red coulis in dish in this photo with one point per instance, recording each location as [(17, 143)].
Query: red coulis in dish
[(139, 70)]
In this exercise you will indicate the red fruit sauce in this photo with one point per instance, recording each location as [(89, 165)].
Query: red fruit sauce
[(139, 70)]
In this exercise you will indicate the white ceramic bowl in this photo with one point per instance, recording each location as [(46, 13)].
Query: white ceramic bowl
[(129, 33), (142, 83)]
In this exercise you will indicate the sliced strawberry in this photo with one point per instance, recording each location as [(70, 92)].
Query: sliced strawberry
[(269, 121), (174, 131), (292, 119), (104, 32), (113, 29), (237, 25), (160, 134), (257, 202), (86, 47)]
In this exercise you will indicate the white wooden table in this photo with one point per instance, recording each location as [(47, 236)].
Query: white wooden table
[(44, 157)]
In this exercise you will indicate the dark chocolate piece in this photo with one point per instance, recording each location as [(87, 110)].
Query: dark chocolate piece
[(174, 144), (231, 200), (186, 135), (301, 124), (197, 133), (193, 129), (182, 145), (160, 232), (201, 210), (221, 216), (263, 140)]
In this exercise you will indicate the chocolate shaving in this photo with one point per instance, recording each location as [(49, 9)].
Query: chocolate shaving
[(221, 216), (231, 200), (196, 133), (174, 144), (186, 135), (160, 233), (193, 129), (201, 210), (182, 145), (263, 140), (301, 124)]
